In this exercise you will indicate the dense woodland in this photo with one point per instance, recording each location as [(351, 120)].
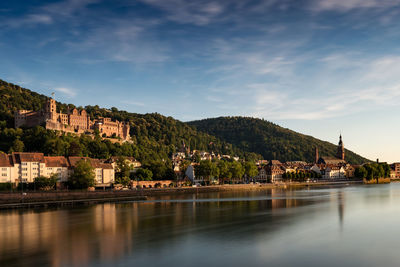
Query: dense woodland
[(269, 139)]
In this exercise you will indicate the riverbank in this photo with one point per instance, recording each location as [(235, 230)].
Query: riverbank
[(72, 198)]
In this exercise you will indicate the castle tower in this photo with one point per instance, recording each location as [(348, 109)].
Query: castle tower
[(51, 109), (125, 131), (340, 150), (316, 155)]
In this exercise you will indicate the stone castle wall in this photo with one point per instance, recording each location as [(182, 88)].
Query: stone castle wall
[(74, 122)]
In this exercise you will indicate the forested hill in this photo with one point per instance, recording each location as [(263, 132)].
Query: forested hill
[(155, 137), (269, 139)]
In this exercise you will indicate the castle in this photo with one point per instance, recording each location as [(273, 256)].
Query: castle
[(72, 122)]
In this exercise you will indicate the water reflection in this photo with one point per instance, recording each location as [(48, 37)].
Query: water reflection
[(229, 228)]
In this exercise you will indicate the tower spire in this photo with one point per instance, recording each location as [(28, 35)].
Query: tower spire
[(340, 150)]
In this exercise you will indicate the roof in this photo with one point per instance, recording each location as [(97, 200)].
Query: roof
[(28, 157), (57, 161), (330, 160), (73, 161), (275, 162), (5, 160), (95, 163)]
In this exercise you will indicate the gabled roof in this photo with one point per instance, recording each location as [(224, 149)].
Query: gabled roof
[(5, 160), (274, 162), (330, 160), (28, 157), (57, 161), (95, 163)]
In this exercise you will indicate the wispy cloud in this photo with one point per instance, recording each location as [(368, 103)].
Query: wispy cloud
[(49, 13), (133, 103), (195, 12), (344, 6), (66, 91)]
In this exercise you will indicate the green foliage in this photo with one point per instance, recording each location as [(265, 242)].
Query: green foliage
[(373, 171), (123, 180), (269, 140), (123, 168), (360, 172), (224, 170), (46, 183), (207, 169), (236, 169), (143, 174), (250, 169), (6, 186), (82, 176)]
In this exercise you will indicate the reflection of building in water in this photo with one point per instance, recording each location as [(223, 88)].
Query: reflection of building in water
[(341, 201), (283, 199)]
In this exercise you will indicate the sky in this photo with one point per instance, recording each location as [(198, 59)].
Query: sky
[(319, 67)]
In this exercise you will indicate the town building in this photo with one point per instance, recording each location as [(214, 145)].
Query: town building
[(274, 171), (25, 167), (73, 122), (396, 170)]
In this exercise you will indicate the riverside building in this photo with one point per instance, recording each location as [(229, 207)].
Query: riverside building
[(24, 167)]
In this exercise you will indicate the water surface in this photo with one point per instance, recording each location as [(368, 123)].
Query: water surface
[(327, 226)]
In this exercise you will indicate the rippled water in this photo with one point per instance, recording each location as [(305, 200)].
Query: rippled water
[(327, 226)]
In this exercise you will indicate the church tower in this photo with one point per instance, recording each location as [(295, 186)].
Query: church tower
[(340, 150), (316, 155)]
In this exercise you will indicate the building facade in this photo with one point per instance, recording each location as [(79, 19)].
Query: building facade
[(25, 167), (73, 122)]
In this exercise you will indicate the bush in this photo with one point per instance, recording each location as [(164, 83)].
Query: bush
[(45, 183), (6, 186)]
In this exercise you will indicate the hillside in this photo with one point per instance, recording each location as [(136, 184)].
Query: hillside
[(155, 137), (269, 139)]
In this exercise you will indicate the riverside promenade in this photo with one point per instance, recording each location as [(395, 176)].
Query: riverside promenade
[(43, 199)]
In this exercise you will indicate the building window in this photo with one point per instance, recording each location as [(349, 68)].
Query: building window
[(4, 174), (24, 164), (24, 169), (4, 169)]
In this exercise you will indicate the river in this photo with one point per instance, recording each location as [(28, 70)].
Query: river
[(324, 226)]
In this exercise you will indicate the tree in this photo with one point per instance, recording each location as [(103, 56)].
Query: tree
[(236, 169), (46, 183), (143, 174), (361, 172), (224, 171), (82, 176), (17, 146), (123, 168), (250, 169), (207, 170)]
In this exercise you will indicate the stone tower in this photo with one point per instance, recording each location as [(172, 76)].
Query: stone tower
[(316, 155), (51, 109), (340, 150)]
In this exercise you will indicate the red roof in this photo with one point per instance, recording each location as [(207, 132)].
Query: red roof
[(96, 163), (57, 161), (5, 160), (28, 157)]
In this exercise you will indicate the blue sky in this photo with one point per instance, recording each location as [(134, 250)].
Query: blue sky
[(319, 67)]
